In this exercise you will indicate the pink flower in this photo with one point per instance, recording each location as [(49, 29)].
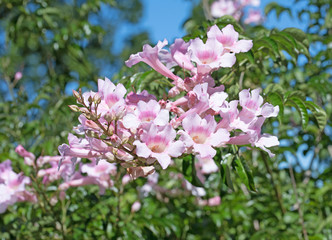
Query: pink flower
[(28, 156), (18, 76), (255, 16), (251, 104), (150, 56), (215, 201), (229, 39), (255, 3), (12, 186), (179, 52), (209, 56), (159, 144), (100, 170), (112, 98), (223, 7), (135, 207), (201, 135), (133, 98), (146, 112), (254, 137)]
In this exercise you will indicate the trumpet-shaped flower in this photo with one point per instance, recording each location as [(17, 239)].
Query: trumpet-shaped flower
[(228, 37), (159, 144), (210, 56), (201, 135), (150, 56), (146, 112)]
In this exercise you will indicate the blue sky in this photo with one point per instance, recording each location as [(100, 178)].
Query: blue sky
[(164, 19)]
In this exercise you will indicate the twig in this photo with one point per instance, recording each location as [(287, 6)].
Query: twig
[(304, 231), (276, 190), (206, 8)]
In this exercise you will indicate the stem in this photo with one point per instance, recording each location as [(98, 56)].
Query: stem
[(304, 231), (118, 209), (206, 8), (275, 188), (241, 80)]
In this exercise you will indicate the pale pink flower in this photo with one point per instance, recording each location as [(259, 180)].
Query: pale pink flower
[(254, 137), (215, 201), (228, 37), (133, 98), (29, 157), (254, 16), (101, 170), (159, 144), (179, 52), (136, 206), (255, 3), (12, 186), (251, 103), (223, 7), (18, 76), (201, 135), (150, 56), (145, 113), (210, 56)]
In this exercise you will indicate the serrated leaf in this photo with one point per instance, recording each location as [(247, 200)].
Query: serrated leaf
[(297, 102), (318, 113)]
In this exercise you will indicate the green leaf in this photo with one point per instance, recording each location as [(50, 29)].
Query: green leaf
[(298, 34), (227, 19), (297, 102), (276, 99), (189, 171), (244, 173), (318, 113), (268, 43), (225, 171), (279, 9)]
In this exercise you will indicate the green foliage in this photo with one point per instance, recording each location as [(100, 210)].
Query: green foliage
[(259, 197)]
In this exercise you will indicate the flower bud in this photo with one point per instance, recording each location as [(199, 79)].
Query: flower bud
[(18, 76), (108, 117), (74, 108), (96, 99), (135, 207)]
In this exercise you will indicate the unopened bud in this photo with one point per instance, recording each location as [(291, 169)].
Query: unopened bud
[(76, 94), (96, 99), (74, 108), (90, 99), (108, 117), (18, 76), (91, 134)]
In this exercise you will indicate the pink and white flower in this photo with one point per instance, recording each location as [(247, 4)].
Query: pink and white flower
[(209, 56), (201, 136), (159, 144), (145, 113), (228, 37)]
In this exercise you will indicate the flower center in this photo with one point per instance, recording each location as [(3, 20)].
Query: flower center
[(157, 144)]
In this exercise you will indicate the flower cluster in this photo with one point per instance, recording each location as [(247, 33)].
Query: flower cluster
[(235, 8), (13, 187), (49, 169), (137, 131)]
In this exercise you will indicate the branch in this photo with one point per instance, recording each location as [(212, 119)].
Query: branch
[(304, 231)]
